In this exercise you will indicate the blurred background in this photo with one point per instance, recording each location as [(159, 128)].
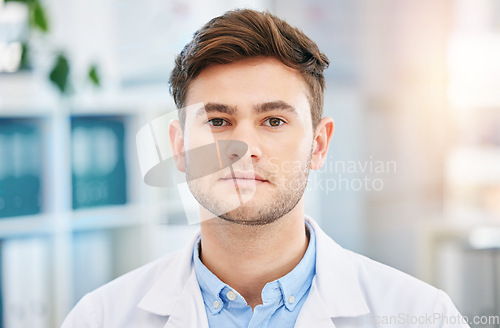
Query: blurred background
[(412, 178)]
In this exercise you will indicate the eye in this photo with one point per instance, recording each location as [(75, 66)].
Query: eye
[(274, 122), (217, 122)]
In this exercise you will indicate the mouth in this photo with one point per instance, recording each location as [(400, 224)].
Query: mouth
[(244, 177)]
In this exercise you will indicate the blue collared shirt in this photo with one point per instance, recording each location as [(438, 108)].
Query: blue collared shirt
[(282, 299)]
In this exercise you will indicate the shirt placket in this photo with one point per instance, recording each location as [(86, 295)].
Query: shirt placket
[(272, 300)]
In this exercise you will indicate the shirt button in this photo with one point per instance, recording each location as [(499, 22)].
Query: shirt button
[(231, 295), (291, 299), (216, 304)]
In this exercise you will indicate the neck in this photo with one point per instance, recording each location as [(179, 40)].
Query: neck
[(248, 257)]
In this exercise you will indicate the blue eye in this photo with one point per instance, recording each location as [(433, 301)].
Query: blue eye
[(274, 122), (217, 122)]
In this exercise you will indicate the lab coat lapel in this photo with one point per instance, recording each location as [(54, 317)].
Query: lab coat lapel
[(336, 291), (313, 312), (190, 310), (176, 294)]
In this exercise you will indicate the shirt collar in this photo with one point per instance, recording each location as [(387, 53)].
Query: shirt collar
[(293, 286), (211, 286)]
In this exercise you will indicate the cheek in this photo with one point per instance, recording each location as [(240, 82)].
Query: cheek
[(290, 155), (197, 136), (299, 145)]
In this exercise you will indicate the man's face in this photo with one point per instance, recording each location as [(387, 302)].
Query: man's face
[(264, 104)]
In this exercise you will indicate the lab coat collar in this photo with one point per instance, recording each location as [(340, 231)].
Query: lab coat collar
[(335, 291)]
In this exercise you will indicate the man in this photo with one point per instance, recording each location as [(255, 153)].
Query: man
[(252, 86)]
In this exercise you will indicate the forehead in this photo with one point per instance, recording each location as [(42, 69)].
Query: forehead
[(248, 82)]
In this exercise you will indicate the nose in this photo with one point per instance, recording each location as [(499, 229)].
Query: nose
[(247, 135)]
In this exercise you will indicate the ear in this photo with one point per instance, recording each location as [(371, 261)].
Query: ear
[(322, 137), (177, 144)]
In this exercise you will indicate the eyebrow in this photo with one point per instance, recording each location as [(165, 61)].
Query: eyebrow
[(258, 109), (274, 105), (215, 107)]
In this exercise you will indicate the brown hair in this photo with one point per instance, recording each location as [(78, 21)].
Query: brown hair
[(244, 33)]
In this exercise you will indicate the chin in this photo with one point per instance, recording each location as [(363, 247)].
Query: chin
[(247, 220)]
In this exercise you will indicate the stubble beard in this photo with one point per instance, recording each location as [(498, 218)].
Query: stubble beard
[(286, 196)]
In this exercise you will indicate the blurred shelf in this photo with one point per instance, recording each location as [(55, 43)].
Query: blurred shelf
[(107, 217), (25, 226), (136, 100), (26, 94), (98, 218), (29, 97)]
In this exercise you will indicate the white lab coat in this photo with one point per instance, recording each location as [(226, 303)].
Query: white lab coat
[(349, 290)]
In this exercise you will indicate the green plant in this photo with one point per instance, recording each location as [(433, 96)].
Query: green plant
[(60, 72)]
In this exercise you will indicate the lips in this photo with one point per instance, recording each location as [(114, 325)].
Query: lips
[(241, 175)]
